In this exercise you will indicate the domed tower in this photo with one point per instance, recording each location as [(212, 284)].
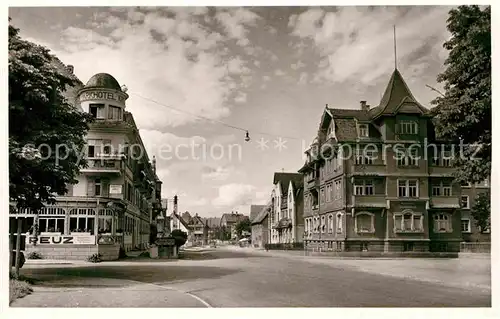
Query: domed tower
[(103, 97)]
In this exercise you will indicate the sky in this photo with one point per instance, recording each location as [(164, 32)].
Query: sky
[(266, 70)]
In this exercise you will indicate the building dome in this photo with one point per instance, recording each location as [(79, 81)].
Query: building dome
[(103, 80)]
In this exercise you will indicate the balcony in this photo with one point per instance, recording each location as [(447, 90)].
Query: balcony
[(313, 183), (441, 171), (369, 201), (445, 202), (97, 166), (283, 223), (368, 170)]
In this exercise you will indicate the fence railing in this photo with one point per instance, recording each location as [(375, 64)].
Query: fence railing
[(478, 247), (288, 246)]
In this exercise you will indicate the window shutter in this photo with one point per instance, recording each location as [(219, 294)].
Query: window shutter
[(90, 187), (105, 188)]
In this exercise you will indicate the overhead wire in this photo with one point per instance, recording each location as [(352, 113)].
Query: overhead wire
[(213, 120)]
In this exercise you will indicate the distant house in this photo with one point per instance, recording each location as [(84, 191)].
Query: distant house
[(229, 221), (286, 219), (260, 227), (198, 231), (213, 224), (176, 222)]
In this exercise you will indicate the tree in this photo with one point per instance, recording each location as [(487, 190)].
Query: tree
[(481, 210), (46, 133), (463, 113), (179, 236), (243, 226)]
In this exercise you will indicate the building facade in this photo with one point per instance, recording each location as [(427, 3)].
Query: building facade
[(286, 217), (229, 222), (370, 184), (260, 227), (470, 231), (198, 231), (113, 201)]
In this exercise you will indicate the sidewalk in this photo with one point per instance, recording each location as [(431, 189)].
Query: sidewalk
[(133, 295)]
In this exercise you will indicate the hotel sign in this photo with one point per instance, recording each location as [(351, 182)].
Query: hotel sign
[(101, 95), (60, 240)]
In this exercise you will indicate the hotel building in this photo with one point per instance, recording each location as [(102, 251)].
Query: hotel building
[(112, 204)]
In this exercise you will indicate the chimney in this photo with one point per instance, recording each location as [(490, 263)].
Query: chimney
[(71, 69), (364, 106)]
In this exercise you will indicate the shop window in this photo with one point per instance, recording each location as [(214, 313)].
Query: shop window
[(364, 222)]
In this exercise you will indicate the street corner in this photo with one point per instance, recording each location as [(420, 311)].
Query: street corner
[(119, 296)]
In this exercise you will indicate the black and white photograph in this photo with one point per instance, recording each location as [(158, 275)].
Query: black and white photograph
[(249, 155)]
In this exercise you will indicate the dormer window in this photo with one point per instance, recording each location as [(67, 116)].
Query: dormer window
[(363, 130), (408, 127)]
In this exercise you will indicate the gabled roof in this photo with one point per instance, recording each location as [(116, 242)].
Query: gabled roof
[(285, 178), (212, 222), (233, 217), (397, 94), (262, 214), (255, 210), (182, 221)]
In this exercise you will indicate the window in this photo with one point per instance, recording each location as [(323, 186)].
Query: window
[(51, 220), (465, 225), (408, 127), (322, 195), (446, 160), (407, 157), (446, 189), (436, 190), (365, 157), (82, 220), (408, 221), (408, 246), (441, 189), (97, 110), (464, 201), (330, 224), (338, 194), (363, 130), (442, 223), (114, 113), (364, 222), (364, 188), (339, 223), (407, 188), (97, 187), (323, 224)]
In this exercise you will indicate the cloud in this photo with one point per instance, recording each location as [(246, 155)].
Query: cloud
[(163, 59), (217, 174), (231, 195), (364, 51), (298, 65), (241, 97), (304, 77), (235, 23), (279, 72)]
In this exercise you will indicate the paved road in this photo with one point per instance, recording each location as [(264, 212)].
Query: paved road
[(224, 278)]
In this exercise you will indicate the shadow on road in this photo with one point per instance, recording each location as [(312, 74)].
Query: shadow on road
[(89, 276)]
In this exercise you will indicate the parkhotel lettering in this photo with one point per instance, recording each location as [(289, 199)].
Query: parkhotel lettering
[(101, 95)]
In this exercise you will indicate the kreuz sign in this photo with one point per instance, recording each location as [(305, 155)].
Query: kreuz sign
[(61, 240)]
